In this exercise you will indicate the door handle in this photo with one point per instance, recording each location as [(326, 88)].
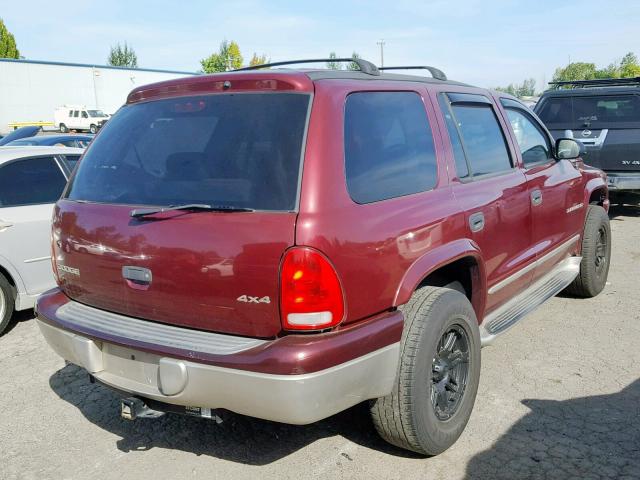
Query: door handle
[(476, 222), (536, 198), (5, 225)]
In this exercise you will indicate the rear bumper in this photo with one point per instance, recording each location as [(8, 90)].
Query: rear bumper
[(621, 181), (297, 398)]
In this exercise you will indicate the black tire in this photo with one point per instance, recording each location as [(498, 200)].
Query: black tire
[(63, 128), (93, 129), (596, 255), (409, 417), (7, 302)]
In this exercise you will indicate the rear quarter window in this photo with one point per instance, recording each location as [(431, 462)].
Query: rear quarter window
[(388, 145)]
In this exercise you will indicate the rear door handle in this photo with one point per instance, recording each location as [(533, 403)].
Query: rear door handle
[(536, 198), (4, 225), (476, 222)]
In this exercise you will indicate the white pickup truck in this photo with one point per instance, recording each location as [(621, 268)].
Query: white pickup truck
[(79, 117)]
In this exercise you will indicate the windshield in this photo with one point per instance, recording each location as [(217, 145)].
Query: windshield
[(601, 111), (96, 113), (237, 150)]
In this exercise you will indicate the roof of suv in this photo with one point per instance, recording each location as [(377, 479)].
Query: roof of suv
[(328, 74), (300, 79), (8, 153), (591, 91)]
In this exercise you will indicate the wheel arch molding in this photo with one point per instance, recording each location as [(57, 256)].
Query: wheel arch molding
[(439, 265)]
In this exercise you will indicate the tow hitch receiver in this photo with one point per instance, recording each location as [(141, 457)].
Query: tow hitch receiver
[(133, 407)]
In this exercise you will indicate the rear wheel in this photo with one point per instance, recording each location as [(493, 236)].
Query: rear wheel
[(7, 301), (596, 254), (63, 128), (438, 375)]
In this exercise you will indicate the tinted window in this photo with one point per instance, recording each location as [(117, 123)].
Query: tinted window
[(458, 152), (484, 143), (71, 161), (580, 112), (228, 150), (30, 181), (84, 114), (388, 146), (534, 146)]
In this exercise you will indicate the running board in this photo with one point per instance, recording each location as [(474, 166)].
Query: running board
[(535, 295)]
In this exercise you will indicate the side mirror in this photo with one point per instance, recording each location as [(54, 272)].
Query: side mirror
[(568, 149)]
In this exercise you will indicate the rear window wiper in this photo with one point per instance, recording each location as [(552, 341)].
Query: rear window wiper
[(200, 207)]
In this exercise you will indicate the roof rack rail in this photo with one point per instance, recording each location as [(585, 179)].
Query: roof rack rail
[(435, 72), (597, 82), (364, 66)]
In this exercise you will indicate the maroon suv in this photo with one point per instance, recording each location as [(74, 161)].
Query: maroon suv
[(288, 243)]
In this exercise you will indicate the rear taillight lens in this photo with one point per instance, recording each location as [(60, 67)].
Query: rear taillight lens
[(310, 293)]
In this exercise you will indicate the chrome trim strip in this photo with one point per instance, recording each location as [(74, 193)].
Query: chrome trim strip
[(96, 322), (518, 307), (39, 259), (503, 283)]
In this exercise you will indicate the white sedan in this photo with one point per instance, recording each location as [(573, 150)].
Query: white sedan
[(31, 181)]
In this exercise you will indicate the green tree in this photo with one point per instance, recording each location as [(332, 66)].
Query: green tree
[(258, 60), (334, 65), (575, 71), (122, 56), (227, 58), (8, 47), (526, 89), (353, 65), (629, 66)]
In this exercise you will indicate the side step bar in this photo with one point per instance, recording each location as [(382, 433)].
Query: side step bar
[(519, 306)]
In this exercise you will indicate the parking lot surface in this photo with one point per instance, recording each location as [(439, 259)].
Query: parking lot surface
[(559, 398)]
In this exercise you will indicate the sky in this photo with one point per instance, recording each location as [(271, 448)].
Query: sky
[(487, 43)]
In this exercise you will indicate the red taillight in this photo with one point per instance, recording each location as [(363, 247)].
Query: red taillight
[(310, 292)]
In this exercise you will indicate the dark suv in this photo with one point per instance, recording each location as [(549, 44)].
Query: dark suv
[(605, 116), (288, 243)]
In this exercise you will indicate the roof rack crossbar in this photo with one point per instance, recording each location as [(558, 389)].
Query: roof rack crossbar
[(598, 82), (364, 65), (435, 72)]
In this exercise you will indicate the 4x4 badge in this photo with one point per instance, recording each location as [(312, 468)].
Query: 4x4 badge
[(250, 299)]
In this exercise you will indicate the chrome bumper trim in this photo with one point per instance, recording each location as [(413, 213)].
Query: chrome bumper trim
[(295, 399), (96, 322), (623, 181)]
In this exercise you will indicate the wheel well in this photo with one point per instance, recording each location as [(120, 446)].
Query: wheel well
[(598, 197), (5, 273), (465, 271)]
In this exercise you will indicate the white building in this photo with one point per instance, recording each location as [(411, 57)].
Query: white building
[(31, 90)]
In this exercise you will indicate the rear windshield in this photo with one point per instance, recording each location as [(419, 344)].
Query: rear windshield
[(592, 112), (232, 150)]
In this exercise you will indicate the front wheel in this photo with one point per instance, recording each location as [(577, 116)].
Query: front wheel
[(438, 375), (596, 254), (7, 301), (93, 129)]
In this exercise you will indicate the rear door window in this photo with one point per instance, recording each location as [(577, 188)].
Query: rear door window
[(30, 181), (229, 150), (484, 143), (389, 149), (599, 111), (458, 151)]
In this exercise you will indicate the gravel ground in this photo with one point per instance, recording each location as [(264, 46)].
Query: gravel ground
[(559, 398)]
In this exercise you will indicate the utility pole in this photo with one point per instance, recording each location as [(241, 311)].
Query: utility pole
[(381, 43)]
